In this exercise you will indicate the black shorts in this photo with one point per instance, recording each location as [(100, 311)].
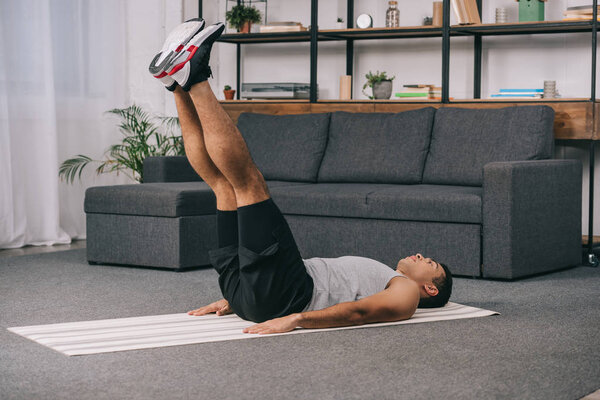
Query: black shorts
[(269, 281)]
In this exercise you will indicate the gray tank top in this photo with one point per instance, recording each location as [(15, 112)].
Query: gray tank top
[(346, 278)]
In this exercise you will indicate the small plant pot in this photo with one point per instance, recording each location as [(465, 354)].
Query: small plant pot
[(382, 90), (229, 94), (246, 27), (340, 25)]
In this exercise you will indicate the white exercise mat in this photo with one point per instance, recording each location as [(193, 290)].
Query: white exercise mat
[(108, 335)]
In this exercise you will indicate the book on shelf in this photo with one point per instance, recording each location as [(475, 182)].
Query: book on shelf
[(580, 13), (417, 85), (410, 94), (514, 93), (581, 18), (283, 27), (521, 91), (466, 12), (418, 90), (581, 9)]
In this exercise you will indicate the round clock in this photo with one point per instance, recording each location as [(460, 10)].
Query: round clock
[(364, 21)]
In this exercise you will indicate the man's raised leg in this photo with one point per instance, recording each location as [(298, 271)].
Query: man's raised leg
[(271, 278), (195, 150), (227, 148), (190, 69)]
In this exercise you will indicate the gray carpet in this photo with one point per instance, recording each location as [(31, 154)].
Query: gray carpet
[(545, 345)]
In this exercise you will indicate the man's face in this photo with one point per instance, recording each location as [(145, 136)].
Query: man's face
[(420, 269)]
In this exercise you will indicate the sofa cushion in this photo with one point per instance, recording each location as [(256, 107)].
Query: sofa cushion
[(157, 199), (436, 203), (286, 147), (464, 140), (377, 147)]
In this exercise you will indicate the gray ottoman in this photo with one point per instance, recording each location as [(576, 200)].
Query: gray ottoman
[(168, 225)]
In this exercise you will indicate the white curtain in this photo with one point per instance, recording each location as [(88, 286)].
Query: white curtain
[(62, 64)]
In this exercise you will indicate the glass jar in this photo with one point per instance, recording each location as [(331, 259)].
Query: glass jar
[(392, 15)]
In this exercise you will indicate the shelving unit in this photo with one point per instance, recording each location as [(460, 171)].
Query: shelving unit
[(576, 118)]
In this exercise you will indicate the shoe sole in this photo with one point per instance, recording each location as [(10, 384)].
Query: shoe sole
[(211, 33), (181, 35)]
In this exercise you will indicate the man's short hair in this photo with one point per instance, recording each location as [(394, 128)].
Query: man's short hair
[(444, 287)]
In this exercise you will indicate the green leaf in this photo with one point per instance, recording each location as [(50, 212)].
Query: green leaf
[(72, 167), (143, 136)]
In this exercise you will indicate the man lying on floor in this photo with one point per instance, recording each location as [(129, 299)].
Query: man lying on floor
[(262, 275)]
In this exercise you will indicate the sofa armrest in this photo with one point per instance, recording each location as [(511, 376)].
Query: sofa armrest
[(169, 169), (531, 217)]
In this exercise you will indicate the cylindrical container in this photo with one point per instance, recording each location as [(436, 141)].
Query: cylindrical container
[(438, 13), (345, 87), (392, 15), (549, 89), (501, 15)]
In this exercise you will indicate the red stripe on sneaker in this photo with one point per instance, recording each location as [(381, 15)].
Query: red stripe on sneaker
[(192, 50), (160, 75), (179, 48)]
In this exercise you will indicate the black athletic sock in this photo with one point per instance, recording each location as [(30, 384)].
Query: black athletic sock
[(256, 224), (227, 228)]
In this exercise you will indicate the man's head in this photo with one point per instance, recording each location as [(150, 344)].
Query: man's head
[(434, 279)]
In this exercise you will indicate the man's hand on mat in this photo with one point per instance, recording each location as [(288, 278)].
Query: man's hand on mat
[(277, 325), (220, 307)]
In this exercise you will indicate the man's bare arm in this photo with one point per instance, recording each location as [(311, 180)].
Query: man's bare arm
[(398, 302)]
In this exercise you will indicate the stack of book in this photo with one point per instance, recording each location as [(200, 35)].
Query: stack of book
[(466, 12), (420, 92), (580, 13), (518, 94), (283, 27)]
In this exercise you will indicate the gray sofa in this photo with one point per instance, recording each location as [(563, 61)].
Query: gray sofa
[(476, 189)]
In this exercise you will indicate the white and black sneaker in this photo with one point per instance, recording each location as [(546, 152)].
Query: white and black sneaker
[(190, 66), (174, 44)]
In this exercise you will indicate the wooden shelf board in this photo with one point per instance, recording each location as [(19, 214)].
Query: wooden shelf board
[(520, 100), (270, 37), (585, 240), (381, 33), (378, 101), (524, 27), (577, 100), (507, 28), (264, 101), (375, 29), (573, 117)]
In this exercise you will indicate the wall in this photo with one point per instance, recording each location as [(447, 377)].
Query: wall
[(517, 61)]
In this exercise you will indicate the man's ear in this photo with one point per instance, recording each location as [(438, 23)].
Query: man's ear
[(431, 289)]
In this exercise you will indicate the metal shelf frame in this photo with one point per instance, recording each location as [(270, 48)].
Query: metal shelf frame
[(445, 32)]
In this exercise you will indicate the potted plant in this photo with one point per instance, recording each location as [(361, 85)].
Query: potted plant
[(228, 92), (340, 23), (241, 17), (141, 138), (380, 84)]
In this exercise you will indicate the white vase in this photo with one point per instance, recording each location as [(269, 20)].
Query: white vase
[(340, 25)]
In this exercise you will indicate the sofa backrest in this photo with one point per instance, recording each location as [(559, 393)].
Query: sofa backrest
[(168, 169), (286, 147), (377, 147), (464, 140)]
